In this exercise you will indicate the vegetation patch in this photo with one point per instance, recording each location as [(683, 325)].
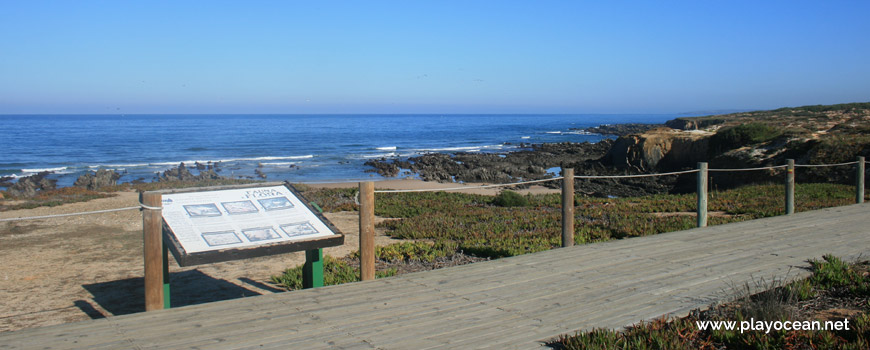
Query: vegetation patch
[(833, 285), (55, 197), (508, 198), (335, 271), (742, 135), (458, 228)]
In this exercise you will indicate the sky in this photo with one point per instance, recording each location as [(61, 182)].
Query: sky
[(298, 57)]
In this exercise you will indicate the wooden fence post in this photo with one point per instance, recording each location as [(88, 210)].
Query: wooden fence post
[(567, 207), (152, 229), (702, 194), (859, 181), (367, 230), (789, 188)]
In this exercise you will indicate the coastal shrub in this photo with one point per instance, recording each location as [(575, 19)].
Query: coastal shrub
[(335, 271), (741, 135), (413, 251), (775, 304), (508, 198)]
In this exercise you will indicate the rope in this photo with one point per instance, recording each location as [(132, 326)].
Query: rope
[(141, 206), (633, 176), (823, 165), (467, 187), (750, 169)]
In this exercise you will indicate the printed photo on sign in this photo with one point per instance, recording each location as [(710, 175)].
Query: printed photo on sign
[(299, 229), (199, 210), (260, 234), (240, 207), (276, 203), (219, 238)]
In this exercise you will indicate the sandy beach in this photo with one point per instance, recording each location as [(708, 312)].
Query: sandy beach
[(70, 269)]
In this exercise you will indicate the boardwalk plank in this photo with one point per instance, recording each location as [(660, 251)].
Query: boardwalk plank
[(516, 302)]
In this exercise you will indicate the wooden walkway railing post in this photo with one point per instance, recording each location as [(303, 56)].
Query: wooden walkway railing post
[(567, 207), (152, 226), (367, 230), (789, 188), (859, 181), (702, 194)]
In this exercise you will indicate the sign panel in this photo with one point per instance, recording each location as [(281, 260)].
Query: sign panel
[(240, 218)]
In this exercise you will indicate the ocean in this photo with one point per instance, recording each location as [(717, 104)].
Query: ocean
[(298, 148)]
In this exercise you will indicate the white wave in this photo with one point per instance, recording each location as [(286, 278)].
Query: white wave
[(279, 163), (41, 170), (106, 166), (526, 137), (554, 132), (459, 149), (231, 160), (390, 148), (383, 155)]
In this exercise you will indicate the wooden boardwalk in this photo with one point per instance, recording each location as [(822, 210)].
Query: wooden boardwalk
[(518, 302)]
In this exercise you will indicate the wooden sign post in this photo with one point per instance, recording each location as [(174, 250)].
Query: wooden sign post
[(213, 224)]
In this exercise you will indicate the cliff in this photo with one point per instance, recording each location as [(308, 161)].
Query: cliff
[(809, 134), (660, 149)]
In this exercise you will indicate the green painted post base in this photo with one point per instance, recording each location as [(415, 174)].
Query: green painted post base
[(312, 271), (166, 304)]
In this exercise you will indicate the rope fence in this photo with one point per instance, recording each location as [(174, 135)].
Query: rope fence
[(582, 177), (469, 187), (140, 207), (823, 165), (750, 169)]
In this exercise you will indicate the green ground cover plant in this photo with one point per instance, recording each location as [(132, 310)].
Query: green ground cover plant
[(335, 271), (486, 230), (832, 280), (52, 198), (451, 223)]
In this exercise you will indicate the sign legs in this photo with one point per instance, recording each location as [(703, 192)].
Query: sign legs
[(166, 278), (312, 271)]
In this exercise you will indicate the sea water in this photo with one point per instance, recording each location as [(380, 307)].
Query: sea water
[(298, 148)]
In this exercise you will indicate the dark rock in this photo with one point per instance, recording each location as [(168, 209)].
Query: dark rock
[(180, 173), (383, 167), (658, 150), (621, 129), (102, 178), (29, 186), (260, 173), (209, 175), (6, 181)]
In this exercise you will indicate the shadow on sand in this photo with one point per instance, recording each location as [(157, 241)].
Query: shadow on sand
[(188, 288)]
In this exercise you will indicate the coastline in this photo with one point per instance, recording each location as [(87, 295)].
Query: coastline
[(416, 184)]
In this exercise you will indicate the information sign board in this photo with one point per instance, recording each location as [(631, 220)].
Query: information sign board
[(211, 225)]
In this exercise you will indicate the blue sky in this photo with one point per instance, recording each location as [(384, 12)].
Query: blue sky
[(430, 56)]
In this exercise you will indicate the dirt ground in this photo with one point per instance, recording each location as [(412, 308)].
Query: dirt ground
[(70, 269)]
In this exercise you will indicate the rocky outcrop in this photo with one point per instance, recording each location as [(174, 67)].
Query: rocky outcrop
[(181, 174), (382, 167), (99, 179), (6, 181), (528, 164), (621, 129), (658, 150), (31, 185), (694, 123)]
